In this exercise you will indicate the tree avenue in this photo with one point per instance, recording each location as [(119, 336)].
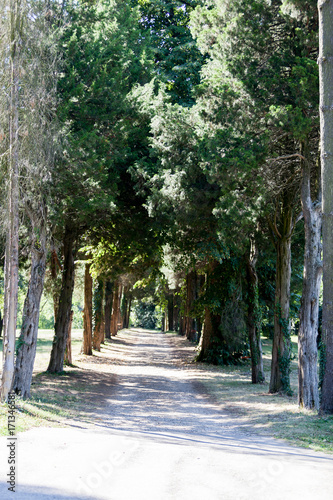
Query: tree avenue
[(173, 157)]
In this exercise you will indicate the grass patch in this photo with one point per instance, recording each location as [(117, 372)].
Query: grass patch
[(56, 400)]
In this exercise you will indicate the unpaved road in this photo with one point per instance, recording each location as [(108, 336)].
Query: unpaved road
[(160, 437)]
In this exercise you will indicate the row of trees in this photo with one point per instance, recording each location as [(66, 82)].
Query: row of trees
[(168, 143)]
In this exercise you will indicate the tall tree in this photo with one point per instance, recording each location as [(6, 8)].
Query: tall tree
[(14, 15), (40, 135), (326, 132)]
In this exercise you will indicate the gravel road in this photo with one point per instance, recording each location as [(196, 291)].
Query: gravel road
[(159, 437)]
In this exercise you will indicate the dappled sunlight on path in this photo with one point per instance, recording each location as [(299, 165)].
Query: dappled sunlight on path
[(150, 431)]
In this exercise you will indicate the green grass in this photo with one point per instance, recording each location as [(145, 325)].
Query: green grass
[(55, 399)]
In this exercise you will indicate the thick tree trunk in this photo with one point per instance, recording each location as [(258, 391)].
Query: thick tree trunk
[(280, 369), (56, 364), (12, 244), (108, 308), (27, 343), (87, 312), (326, 130), (254, 320), (207, 336), (99, 315), (308, 393)]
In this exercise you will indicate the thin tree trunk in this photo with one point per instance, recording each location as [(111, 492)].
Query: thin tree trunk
[(326, 131), (170, 311), (68, 351), (191, 280), (56, 364), (308, 393), (99, 315), (108, 308), (253, 318), (280, 368), (12, 245), (27, 343), (211, 321), (54, 274), (120, 296), (87, 312), (115, 309), (128, 313)]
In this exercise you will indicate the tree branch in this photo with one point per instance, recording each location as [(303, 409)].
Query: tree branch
[(287, 157)]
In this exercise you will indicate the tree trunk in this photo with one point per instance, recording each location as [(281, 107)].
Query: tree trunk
[(211, 321), (68, 351), (114, 316), (128, 312), (55, 265), (170, 312), (87, 312), (120, 296), (280, 369), (254, 318), (191, 280), (108, 308), (12, 244), (207, 335), (27, 343), (308, 393), (326, 131), (99, 315), (56, 364)]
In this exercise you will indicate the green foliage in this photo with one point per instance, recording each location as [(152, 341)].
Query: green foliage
[(177, 60), (145, 314)]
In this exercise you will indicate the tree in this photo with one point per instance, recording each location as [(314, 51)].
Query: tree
[(40, 134), (13, 48), (279, 84), (102, 59), (326, 134)]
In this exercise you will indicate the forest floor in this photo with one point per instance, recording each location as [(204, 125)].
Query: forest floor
[(143, 421)]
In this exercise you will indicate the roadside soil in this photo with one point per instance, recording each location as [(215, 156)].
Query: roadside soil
[(149, 430)]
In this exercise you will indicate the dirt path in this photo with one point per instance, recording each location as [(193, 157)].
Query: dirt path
[(158, 436)]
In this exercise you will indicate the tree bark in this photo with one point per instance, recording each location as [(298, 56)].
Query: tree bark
[(280, 368), (56, 364), (191, 281), (170, 311), (127, 309), (325, 60), (115, 309), (12, 244), (308, 393), (108, 308), (254, 318), (87, 312), (211, 321), (26, 350), (68, 352), (99, 315)]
